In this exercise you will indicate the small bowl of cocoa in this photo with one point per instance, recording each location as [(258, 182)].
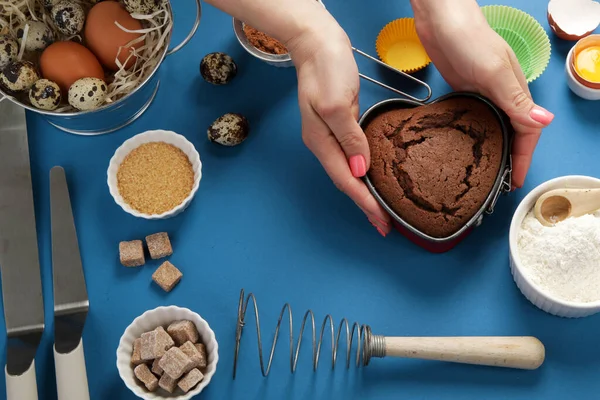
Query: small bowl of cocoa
[(261, 45)]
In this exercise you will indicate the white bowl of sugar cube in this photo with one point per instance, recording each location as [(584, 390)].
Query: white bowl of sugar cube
[(557, 268), (167, 353)]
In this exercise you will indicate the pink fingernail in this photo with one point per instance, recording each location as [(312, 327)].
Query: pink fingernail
[(382, 222), (381, 232), (541, 115), (358, 166)]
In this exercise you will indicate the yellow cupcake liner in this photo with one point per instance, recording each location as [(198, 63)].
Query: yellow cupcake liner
[(399, 46)]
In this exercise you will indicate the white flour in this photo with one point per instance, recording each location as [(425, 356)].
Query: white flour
[(563, 260)]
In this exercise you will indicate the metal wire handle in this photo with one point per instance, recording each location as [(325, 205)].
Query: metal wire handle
[(383, 85), (367, 344)]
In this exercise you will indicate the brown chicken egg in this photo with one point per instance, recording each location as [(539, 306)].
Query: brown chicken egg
[(104, 37), (67, 62)]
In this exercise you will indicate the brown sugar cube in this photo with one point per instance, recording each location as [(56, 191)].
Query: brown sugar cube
[(155, 344), (190, 380), (203, 355), (175, 363), (192, 352), (156, 369), (132, 253), (183, 331), (159, 245), (167, 276), (167, 383), (142, 372), (136, 357)]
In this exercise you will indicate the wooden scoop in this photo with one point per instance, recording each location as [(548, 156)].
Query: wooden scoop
[(557, 205)]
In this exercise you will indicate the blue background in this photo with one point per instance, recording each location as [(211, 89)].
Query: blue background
[(268, 219)]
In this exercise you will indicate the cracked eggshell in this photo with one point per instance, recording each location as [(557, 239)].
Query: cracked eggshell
[(18, 76), (9, 49), (39, 35), (68, 17), (573, 19), (87, 94)]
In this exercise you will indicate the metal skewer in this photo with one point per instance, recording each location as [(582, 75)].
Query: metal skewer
[(520, 352), (383, 85)]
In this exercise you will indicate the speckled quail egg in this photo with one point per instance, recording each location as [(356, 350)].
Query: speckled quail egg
[(45, 95), (68, 17), (48, 4), (9, 49), (39, 35), (218, 68), (229, 130), (142, 6), (18, 76), (87, 93)]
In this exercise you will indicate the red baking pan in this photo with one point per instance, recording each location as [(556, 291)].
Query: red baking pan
[(502, 184)]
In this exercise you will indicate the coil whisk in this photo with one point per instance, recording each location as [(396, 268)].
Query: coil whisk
[(367, 344)]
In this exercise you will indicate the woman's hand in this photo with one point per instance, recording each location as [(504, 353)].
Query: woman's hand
[(328, 85), (472, 57)]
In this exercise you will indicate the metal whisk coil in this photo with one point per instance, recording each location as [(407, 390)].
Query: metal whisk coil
[(368, 345)]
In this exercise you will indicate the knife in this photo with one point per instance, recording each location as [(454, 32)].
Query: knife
[(19, 258), (70, 294)]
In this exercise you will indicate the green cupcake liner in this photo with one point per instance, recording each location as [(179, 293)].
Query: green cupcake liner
[(524, 35)]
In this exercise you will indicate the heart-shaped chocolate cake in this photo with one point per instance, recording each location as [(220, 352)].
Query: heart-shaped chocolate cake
[(435, 165)]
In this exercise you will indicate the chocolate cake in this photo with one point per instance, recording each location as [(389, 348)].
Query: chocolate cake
[(435, 165)]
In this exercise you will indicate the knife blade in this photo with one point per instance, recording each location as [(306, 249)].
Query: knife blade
[(71, 302), (19, 258)]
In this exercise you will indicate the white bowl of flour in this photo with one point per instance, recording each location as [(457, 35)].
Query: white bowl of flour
[(557, 268)]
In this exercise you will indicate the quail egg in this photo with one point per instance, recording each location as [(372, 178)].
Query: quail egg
[(48, 4), (9, 49), (68, 17), (45, 95), (218, 68), (87, 93), (39, 35), (18, 76), (142, 6), (229, 130)]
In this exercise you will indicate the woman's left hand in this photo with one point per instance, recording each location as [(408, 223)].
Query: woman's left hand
[(472, 57)]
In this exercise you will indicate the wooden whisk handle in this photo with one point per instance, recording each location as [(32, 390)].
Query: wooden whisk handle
[(522, 352)]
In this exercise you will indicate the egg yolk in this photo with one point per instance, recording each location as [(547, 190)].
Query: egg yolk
[(587, 63)]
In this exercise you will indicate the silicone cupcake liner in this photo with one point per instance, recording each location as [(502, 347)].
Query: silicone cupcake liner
[(399, 46), (163, 316), (154, 136), (524, 35)]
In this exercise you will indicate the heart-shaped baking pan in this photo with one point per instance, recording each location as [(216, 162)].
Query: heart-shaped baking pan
[(502, 182)]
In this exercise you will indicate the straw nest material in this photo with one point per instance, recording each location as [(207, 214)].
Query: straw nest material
[(156, 29)]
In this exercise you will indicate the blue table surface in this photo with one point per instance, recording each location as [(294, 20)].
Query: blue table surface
[(268, 219)]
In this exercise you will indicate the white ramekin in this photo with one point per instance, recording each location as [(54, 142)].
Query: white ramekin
[(530, 290), (163, 316), (147, 137), (577, 87)]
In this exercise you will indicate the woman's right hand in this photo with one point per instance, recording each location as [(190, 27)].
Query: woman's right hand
[(328, 85)]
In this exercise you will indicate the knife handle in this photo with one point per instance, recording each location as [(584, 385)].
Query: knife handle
[(22, 387), (71, 374)]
